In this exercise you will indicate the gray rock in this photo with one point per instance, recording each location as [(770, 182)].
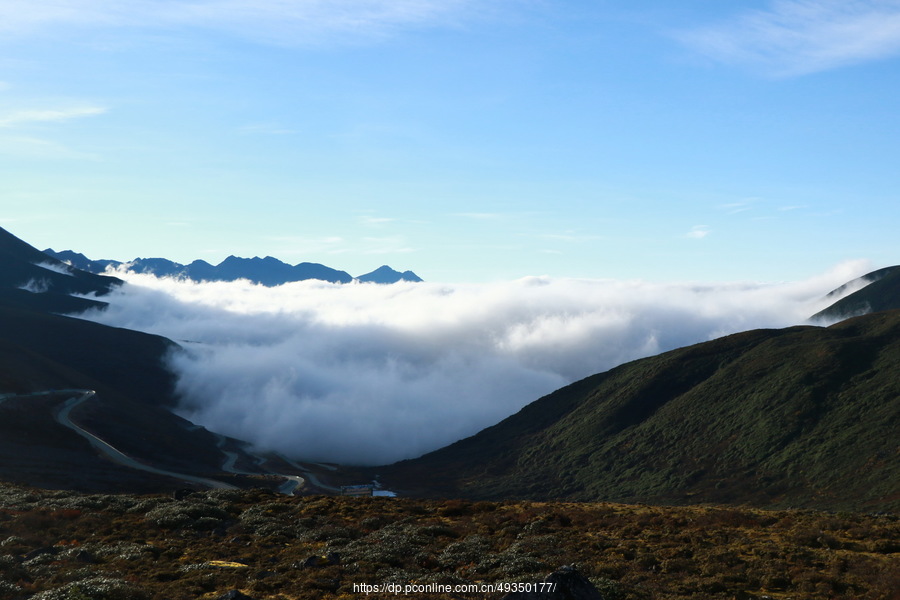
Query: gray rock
[(567, 584), (234, 595)]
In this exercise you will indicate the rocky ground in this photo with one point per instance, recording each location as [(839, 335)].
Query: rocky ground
[(227, 544)]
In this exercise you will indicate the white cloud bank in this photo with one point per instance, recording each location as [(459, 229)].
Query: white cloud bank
[(370, 374), (795, 37)]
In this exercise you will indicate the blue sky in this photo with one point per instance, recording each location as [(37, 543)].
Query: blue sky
[(468, 140)]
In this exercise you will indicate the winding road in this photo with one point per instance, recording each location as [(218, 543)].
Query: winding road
[(117, 456), (63, 413), (311, 476), (290, 485)]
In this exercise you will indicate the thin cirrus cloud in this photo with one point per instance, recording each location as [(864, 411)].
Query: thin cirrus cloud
[(30, 147), (24, 147), (797, 37), (385, 245), (698, 232), (278, 21), (371, 374), (32, 116)]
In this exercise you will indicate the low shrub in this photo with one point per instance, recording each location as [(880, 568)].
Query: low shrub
[(96, 588)]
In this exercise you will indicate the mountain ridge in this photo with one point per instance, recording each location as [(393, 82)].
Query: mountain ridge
[(802, 416), (880, 291), (268, 271)]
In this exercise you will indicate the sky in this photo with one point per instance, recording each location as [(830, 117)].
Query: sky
[(467, 140)]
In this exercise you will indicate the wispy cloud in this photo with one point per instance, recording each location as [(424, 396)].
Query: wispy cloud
[(733, 208), (295, 245), (29, 147), (25, 117), (35, 148), (796, 37), (698, 232), (266, 129), (278, 21), (480, 216), (385, 245), (569, 237), (301, 247), (371, 221)]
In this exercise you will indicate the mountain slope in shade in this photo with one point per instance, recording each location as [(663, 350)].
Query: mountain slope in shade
[(881, 292), (804, 416), (101, 354), (28, 276), (41, 351), (266, 271), (80, 261)]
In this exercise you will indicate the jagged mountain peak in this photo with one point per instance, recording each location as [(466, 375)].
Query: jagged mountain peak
[(385, 274), (268, 270)]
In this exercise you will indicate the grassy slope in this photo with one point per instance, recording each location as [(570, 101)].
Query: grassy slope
[(882, 294), (803, 416)]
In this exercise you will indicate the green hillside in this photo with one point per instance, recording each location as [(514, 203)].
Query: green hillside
[(803, 416), (883, 293)]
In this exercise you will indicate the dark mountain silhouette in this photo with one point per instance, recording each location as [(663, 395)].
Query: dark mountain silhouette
[(385, 274), (80, 261), (267, 271), (803, 416), (271, 271), (161, 267), (881, 292), (45, 356), (27, 274)]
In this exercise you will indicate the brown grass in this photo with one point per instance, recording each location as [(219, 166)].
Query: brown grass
[(69, 546)]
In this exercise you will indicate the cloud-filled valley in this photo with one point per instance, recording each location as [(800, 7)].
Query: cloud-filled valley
[(371, 374)]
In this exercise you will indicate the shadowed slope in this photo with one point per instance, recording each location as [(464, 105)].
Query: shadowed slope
[(21, 263), (803, 416), (41, 351), (883, 293)]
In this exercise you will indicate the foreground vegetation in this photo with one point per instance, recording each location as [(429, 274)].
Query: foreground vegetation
[(61, 545)]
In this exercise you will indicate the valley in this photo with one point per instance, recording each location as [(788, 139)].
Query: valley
[(762, 464)]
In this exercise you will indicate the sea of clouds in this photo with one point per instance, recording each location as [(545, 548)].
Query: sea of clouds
[(371, 374)]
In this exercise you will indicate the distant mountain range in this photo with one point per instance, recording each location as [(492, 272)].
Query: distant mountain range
[(266, 271), (804, 416)]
